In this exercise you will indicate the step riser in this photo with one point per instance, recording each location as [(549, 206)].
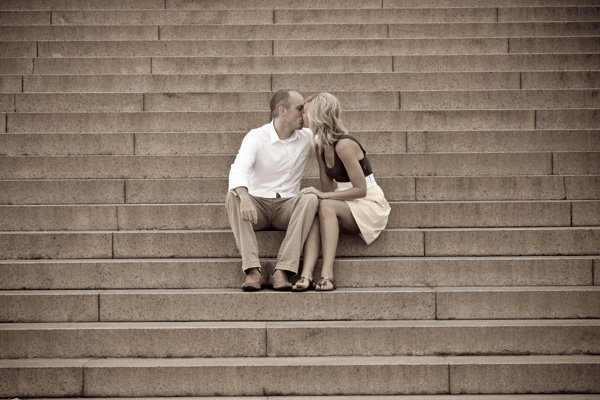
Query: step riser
[(483, 164), (235, 305), (45, 33), (200, 379), (182, 274), (246, 341), (151, 191), (203, 216), (80, 4)]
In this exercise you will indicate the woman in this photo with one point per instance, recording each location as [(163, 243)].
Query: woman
[(350, 199)]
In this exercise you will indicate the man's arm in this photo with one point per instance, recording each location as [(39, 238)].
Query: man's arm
[(238, 177)]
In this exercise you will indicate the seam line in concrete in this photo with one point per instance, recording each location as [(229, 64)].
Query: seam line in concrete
[(271, 82), (593, 272), (497, 16), (273, 17), (83, 380), (98, 306), (5, 123), (571, 209), (113, 245), (508, 45), (393, 64), (159, 32), (117, 216), (125, 182), (22, 83), (381, 3), (415, 185), (552, 164), (272, 47), (449, 383), (435, 304), (37, 49), (14, 104), (267, 338), (51, 23), (534, 119), (143, 101), (165, 4), (134, 143), (388, 30), (424, 252), (33, 66), (400, 102), (564, 181), (151, 65), (520, 79)]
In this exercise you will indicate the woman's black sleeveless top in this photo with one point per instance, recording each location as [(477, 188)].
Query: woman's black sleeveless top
[(338, 171)]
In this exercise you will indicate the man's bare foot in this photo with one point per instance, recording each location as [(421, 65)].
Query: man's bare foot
[(253, 281), (279, 280)]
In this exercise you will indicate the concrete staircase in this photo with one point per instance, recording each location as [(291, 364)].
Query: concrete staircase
[(120, 277)]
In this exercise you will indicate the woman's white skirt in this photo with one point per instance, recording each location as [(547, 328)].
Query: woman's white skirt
[(370, 213)]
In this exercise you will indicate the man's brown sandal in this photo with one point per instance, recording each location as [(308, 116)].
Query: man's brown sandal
[(303, 279), (253, 286), (320, 286)]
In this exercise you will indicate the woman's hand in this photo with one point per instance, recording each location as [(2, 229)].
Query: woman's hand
[(314, 191)]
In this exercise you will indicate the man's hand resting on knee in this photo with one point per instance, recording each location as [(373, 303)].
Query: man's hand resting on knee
[(247, 208)]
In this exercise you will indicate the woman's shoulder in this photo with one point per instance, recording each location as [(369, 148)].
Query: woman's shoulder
[(347, 145)]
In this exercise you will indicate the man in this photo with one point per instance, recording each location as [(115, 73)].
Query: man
[(264, 182)]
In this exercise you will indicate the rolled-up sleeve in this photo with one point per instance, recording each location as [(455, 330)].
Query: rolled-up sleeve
[(244, 161)]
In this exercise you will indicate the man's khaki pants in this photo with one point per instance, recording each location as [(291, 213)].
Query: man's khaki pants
[(295, 215)]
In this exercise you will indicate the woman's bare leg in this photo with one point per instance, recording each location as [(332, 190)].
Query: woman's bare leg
[(310, 254), (333, 215)]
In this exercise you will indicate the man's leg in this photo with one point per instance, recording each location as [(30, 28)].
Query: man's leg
[(243, 231), (296, 216)]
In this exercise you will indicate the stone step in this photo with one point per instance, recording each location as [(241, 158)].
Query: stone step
[(474, 3), (27, 18), (220, 243), (294, 339), (508, 14), (495, 99), (343, 304), (349, 272), (214, 216), (159, 191), (217, 166), (357, 120), (18, 49), (485, 141), (16, 65), (554, 45), (434, 81), (157, 17), (186, 83), (560, 80), (340, 47), (390, 47), (258, 101), (558, 13), (82, 4), (496, 62), (67, 144), (45, 33), (368, 31), (303, 64), (271, 4), (147, 48), (300, 376)]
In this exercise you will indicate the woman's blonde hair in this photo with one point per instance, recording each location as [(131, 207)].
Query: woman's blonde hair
[(324, 115)]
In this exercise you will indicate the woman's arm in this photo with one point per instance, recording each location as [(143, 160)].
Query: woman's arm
[(327, 184), (348, 152)]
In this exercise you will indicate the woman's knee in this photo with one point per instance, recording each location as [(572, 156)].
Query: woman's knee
[(327, 208)]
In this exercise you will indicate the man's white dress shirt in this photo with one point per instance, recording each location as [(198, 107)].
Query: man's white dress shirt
[(267, 165)]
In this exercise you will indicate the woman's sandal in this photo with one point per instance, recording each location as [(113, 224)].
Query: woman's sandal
[(295, 288), (322, 282)]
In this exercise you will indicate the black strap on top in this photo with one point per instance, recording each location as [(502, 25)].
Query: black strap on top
[(338, 171)]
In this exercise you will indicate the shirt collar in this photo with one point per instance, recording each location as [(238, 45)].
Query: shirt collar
[(275, 137)]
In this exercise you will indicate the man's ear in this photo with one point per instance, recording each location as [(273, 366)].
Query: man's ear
[(282, 110)]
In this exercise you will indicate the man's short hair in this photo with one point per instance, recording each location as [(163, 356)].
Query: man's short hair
[(280, 98)]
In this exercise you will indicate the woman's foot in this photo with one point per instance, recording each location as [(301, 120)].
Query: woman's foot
[(325, 284), (303, 284)]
